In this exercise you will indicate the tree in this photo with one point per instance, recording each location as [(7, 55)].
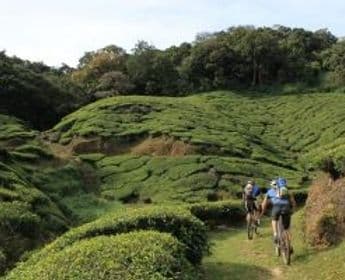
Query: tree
[(153, 71), (334, 61), (115, 82), (39, 98), (94, 64)]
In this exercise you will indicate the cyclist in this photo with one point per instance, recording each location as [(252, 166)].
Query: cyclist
[(283, 204), (250, 193)]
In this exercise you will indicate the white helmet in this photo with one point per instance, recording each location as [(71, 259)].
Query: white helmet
[(274, 184)]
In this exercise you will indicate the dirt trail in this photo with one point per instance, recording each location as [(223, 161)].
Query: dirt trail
[(234, 257)]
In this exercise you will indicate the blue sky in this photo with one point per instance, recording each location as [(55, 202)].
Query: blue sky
[(56, 31)]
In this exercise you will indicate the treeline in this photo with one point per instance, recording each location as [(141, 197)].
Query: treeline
[(239, 57)]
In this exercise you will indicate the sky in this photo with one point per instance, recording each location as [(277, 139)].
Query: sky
[(61, 31)]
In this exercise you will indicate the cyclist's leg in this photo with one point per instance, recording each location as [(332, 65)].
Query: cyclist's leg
[(286, 216), (252, 211), (275, 217), (256, 213), (246, 209)]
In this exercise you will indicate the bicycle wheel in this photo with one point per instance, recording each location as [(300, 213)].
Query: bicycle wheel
[(279, 232), (283, 243), (250, 228), (286, 253)]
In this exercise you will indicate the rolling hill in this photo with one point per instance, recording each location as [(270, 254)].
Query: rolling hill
[(126, 151)]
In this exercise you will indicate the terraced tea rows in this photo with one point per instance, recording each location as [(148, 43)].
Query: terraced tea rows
[(189, 178)]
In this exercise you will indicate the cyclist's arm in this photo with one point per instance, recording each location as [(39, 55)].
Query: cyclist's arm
[(259, 200), (264, 205)]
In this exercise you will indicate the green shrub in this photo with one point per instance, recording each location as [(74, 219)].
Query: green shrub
[(35, 149), (132, 256), (25, 156), (27, 215), (62, 181), (17, 217), (19, 230), (92, 158), (175, 220), (218, 213)]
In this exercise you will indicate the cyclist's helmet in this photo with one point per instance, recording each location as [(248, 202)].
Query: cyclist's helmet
[(251, 182), (274, 184), (281, 182)]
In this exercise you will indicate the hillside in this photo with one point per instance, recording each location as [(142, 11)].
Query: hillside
[(212, 141), (129, 151), (39, 193), (281, 130)]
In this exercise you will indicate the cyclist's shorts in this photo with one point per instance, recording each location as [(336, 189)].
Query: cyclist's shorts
[(250, 206), (285, 212)]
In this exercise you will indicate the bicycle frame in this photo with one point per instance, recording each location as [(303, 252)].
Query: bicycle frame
[(283, 246), (251, 225)]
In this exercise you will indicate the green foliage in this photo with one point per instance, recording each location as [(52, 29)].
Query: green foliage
[(2, 261), (238, 57), (137, 255), (334, 60), (175, 220), (16, 216), (273, 140), (59, 181), (27, 215), (189, 178), (218, 213), (30, 94), (86, 207)]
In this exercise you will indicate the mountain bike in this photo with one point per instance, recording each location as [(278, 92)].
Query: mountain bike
[(283, 246)]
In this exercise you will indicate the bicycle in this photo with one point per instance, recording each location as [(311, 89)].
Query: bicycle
[(283, 246), (252, 226)]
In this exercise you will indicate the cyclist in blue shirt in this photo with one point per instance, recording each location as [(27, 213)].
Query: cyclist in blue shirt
[(283, 204)]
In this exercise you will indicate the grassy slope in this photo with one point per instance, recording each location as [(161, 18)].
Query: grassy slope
[(234, 257)]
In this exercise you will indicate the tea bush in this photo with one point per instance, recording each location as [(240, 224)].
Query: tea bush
[(219, 213), (175, 220), (132, 256)]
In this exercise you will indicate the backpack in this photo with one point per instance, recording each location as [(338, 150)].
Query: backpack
[(256, 191), (283, 193)]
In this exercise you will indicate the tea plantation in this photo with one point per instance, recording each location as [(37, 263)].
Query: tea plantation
[(147, 175)]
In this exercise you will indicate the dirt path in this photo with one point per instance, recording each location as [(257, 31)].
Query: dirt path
[(234, 257)]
